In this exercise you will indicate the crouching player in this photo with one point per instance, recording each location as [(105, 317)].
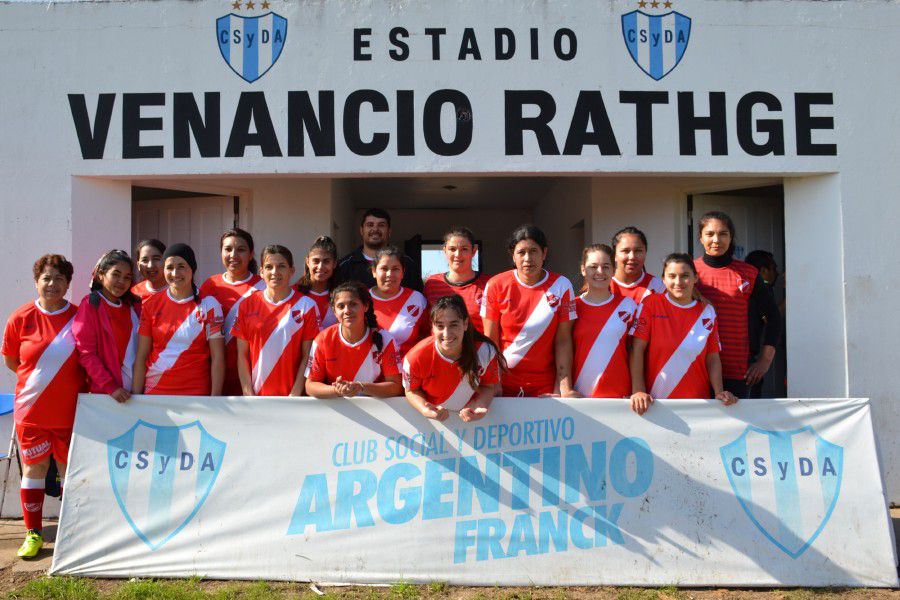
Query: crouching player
[(353, 357), (456, 368), (39, 347)]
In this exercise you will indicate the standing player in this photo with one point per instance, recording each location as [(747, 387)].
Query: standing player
[(400, 311), (181, 351), (460, 279), (239, 281), (730, 285), (528, 313), (318, 278), (39, 348), (149, 263), (274, 330), (675, 350), (106, 327), (631, 280), (456, 368), (353, 357), (601, 331)]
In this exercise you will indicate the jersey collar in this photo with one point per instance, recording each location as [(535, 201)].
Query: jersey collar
[(604, 303), (348, 344), (631, 285), (55, 312), (676, 305), (279, 303), (531, 287)]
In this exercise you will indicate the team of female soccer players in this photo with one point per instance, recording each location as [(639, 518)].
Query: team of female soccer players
[(469, 337)]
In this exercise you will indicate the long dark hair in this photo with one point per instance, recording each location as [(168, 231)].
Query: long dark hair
[(629, 231), (326, 244), (361, 293), (468, 359), (104, 264), (718, 215), (596, 248), (237, 232), (527, 232)]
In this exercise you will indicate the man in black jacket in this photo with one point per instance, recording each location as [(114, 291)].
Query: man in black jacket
[(375, 231)]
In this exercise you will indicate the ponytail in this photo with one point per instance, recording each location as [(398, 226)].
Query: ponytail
[(468, 359), (361, 293), (325, 243)]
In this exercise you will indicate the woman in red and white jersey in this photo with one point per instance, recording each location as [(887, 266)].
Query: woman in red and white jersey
[(38, 346), (461, 279), (274, 330), (529, 312), (150, 266), (353, 357), (601, 331), (455, 368), (675, 350), (181, 351), (730, 285), (630, 279), (400, 311), (230, 288), (106, 327), (319, 277)]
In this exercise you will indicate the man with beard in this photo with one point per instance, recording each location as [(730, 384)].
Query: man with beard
[(375, 231)]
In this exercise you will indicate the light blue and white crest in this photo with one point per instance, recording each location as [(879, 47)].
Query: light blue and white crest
[(161, 475), (656, 42), (251, 45), (788, 483)]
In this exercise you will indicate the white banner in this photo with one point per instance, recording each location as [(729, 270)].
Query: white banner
[(542, 491)]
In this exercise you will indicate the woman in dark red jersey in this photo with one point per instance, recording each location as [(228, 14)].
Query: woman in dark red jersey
[(729, 284), (461, 279)]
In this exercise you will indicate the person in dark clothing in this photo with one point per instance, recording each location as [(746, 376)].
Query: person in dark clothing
[(765, 263), (375, 231), (729, 285)]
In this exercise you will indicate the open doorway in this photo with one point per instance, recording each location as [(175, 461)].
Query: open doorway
[(758, 215)]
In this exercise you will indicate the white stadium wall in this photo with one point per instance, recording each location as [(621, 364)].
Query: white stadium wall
[(823, 74)]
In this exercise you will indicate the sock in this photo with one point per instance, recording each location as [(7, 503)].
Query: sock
[(62, 486), (32, 494)]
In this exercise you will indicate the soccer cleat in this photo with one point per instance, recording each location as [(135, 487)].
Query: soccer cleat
[(32, 544)]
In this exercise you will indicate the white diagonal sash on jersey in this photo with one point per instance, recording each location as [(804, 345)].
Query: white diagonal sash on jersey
[(231, 317), (188, 330), (402, 321), (463, 392), (130, 351), (537, 323), (683, 357), (370, 369), (275, 345), (600, 354), (48, 365)]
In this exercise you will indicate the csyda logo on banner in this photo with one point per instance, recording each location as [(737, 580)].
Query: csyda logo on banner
[(656, 42), (251, 45), (161, 475), (788, 483)]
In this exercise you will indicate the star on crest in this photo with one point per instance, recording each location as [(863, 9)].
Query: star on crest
[(236, 5), (265, 4), (642, 4), (667, 4), (654, 4), (250, 5)]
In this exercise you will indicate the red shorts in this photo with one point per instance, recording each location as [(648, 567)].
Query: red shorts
[(36, 444)]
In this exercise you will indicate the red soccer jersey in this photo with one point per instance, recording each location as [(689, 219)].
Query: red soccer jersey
[(472, 292), (144, 290), (49, 375), (528, 318), (180, 330), (230, 296), (678, 340), (405, 317), (323, 304), (600, 369), (640, 289), (275, 332), (332, 356), (440, 378), (728, 289)]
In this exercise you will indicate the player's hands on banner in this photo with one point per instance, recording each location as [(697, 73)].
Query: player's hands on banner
[(640, 402), (726, 398), (438, 413), (121, 395)]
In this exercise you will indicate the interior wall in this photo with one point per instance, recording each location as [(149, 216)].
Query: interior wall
[(492, 226), (564, 214), (343, 218)]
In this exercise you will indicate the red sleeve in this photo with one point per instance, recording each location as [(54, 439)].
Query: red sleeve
[(568, 311), (412, 372), (11, 338), (86, 331), (215, 324), (237, 329), (642, 322), (390, 360), (713, 345), (145, 326), (489, 307), (491, 375), (315, 368)]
